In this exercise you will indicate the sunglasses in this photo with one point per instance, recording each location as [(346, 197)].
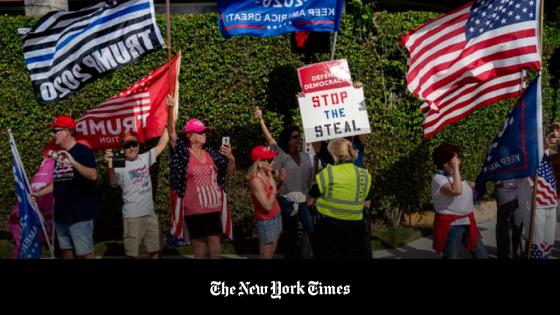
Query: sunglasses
[(297, 137), (269, 161), (130, 144), (55, 130)]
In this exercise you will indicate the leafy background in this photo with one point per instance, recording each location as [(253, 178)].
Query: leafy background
[(222, 80)]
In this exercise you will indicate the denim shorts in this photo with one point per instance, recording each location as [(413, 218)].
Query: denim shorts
[(77, 236), (269, 230)]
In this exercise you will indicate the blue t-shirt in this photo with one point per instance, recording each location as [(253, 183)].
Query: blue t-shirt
[(75, 197)]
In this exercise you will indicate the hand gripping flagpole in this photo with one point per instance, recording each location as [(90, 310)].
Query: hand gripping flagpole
[(35, 206), (540, 139)]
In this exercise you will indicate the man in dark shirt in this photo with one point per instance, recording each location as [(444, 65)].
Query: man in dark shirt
[(75, 194)]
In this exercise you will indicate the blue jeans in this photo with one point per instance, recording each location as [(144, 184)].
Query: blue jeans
[(292, 242), (456, 236)]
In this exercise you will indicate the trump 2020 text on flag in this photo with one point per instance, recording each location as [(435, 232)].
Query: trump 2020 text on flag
[(66, 50)]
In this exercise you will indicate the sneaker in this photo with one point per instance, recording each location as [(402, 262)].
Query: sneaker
[(176, 242)]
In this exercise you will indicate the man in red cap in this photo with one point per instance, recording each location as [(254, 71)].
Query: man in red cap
[(75, 192)]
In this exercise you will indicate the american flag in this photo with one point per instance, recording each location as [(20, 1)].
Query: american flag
[(546, 184), (471, 58)]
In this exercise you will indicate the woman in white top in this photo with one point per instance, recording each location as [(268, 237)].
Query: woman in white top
[(454, 222)]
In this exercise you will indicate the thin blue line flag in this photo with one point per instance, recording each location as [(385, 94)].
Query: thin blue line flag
[(516, 150)]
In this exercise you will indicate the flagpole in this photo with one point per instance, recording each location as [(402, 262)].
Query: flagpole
[(36, 207), (541, 28), (334, 45), (168, 31), (533, 215), (535, 178)]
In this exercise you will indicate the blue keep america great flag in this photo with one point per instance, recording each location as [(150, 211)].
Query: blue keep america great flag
[(517, 149), (65, 50), (275, 17), (29, 216)]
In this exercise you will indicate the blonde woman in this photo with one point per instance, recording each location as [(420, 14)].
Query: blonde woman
[(341, 192), (263, 193)]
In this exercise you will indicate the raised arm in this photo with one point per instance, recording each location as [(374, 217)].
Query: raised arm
[(267, 136), (455, 189), (163, 140), (172, 134)]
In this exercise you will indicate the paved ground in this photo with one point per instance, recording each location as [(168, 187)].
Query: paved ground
[(418, 249), (422, 248)]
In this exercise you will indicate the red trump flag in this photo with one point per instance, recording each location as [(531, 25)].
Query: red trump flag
[(140, 108)]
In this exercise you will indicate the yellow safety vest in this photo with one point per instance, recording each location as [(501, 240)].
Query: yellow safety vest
[(344, 188)]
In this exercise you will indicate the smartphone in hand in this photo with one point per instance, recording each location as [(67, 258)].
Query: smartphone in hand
[(225, 141)]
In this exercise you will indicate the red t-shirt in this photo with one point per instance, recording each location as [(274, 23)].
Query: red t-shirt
[(260, 213)]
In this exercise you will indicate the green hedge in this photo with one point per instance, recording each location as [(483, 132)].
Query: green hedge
[(223, 80)]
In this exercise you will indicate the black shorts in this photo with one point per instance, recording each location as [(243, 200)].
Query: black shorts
[(203, 225)]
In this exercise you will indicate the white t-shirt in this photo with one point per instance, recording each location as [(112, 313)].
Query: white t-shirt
[(458, 205), (136, 184)]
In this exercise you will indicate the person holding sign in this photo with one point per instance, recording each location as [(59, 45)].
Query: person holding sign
[(198, 176), (341, 192), (76, 201), (299, 177), (358, 142)]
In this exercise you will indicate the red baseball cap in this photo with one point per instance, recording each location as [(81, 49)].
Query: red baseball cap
[(64, 121), (262, 153)]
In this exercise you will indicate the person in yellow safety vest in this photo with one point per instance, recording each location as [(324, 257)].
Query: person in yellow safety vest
[(341, 192)]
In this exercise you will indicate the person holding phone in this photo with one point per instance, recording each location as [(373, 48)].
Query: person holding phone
[(75, 192), (140, 222), (198, 175), (225, 141)]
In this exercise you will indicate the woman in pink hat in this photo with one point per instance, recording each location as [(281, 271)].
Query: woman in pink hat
[(264, 192), (198, 176)]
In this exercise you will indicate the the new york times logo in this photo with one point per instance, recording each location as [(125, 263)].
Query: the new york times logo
[(276, 289)]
